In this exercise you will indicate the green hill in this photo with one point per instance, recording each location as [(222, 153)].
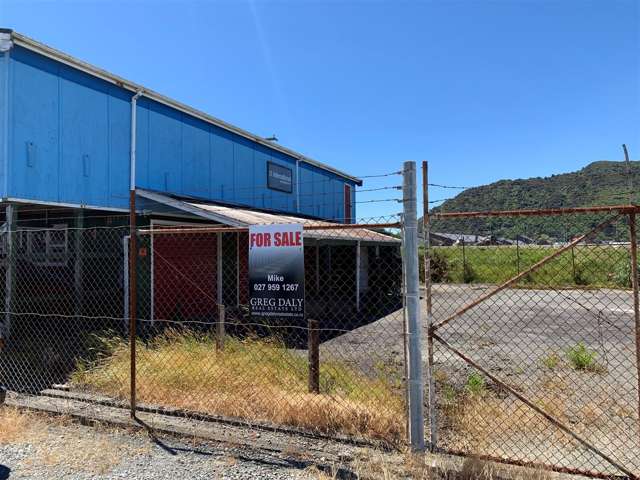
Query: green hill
[(599, 183)]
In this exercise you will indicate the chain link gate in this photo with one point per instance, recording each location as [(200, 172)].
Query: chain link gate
[(534, 346)]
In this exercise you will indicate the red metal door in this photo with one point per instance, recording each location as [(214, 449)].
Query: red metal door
[(347, 204), (184, 276)]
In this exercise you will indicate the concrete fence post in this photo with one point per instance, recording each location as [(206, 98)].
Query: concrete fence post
[(414, 324)]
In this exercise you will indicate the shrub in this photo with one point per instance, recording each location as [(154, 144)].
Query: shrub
[(468, 273), (622, 274), (439, 266), (581, 358), (579, 276), (449, 393)]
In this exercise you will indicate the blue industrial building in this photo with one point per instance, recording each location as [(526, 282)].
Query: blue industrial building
[(75, 140), (65, 140)]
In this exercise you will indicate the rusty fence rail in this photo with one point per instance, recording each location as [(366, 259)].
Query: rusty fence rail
[(533, 336)]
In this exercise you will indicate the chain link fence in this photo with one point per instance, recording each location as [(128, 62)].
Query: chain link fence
[(534, 340), (529, 324), (199, 351)]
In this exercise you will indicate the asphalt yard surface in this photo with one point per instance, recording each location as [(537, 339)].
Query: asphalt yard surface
[(571, 352)]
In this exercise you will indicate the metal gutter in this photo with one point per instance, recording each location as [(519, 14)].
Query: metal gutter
[(42, 49), (61, 204)]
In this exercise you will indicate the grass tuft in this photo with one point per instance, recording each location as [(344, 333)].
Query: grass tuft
[(252, 379), (551, 361), (476, 384), (581, 358)]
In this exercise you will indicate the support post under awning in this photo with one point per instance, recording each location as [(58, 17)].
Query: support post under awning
[(358, 275)]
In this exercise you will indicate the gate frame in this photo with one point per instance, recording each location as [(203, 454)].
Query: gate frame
[(618, 212)]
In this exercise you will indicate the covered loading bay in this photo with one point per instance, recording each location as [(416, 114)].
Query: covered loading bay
[(351, 276)]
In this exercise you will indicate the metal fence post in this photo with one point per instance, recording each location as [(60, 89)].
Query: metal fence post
[(518, 254), (633, 237), (133, 303), (314, 357), (414, 332), (405, 350), (220, 330), (10, 271), (426, 233)]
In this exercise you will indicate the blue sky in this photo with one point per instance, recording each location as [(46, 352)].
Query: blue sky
[(484, 90)]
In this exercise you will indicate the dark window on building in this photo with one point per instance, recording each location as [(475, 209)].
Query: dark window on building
[(279, 177)]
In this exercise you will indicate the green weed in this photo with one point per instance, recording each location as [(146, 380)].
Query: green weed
[(551, 361), (581, 358), (476, 384)]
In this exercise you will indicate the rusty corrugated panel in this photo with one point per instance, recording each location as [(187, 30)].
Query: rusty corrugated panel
[(252, 217)]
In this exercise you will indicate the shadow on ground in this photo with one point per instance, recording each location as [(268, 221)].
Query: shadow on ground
[(4, 472)]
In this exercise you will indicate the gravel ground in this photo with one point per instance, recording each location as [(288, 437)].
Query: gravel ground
[(65, 450)]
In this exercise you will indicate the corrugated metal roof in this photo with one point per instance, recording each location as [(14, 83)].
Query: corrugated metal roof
[(42, 49), (248, 217), (244, 217)]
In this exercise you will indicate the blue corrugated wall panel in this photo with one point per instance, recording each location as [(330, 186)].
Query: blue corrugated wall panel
[(119, 145), (69, 135), (84, 138), (4, 120), (34, 167), (223, 176), (196, 154), (69, 138)]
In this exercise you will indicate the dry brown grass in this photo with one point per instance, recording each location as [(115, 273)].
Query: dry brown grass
[(14, 425), (483, 420), (490, 422), (254, 380)]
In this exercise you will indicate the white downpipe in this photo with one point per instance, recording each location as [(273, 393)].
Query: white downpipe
[(298, 186), (132, 157)]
